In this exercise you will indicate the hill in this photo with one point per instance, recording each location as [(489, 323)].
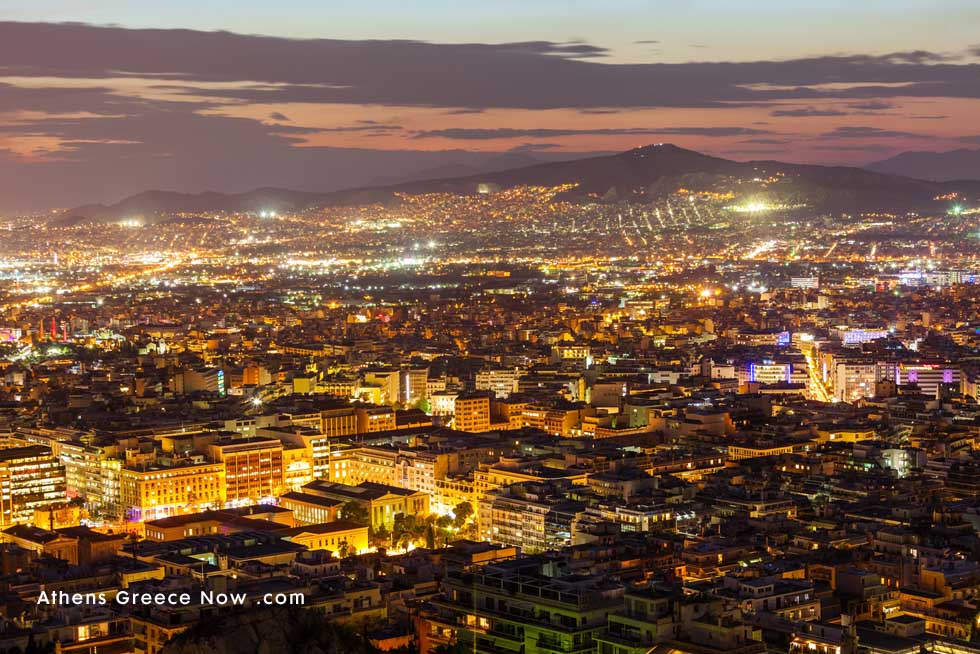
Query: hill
[(938, 166), (641, 174)]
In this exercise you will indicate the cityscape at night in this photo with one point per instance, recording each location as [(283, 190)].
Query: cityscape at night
[(550, 327)]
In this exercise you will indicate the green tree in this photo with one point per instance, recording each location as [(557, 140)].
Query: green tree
[(379, 537), (463, 512), (354, 512)]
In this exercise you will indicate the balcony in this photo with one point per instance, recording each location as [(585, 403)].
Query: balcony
[(545, 645)]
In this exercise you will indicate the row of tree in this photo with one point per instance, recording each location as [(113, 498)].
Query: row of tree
[(431, 531)]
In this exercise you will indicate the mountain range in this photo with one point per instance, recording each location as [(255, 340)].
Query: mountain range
[(643, 173), (939, 166)]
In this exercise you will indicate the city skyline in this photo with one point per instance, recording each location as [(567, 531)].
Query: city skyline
[(490, 328)]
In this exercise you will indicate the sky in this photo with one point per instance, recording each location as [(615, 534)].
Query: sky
[(102, 99)]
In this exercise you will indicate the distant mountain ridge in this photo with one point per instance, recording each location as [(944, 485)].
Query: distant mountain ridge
[(641, 173), (938, 166)]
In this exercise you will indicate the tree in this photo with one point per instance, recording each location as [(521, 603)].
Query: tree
[(463, 512), (354, 512), (443, 525), (406, 530), (379, 537)]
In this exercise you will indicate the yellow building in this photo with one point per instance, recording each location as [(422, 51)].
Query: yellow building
[(253, 468), (450, 493), (338, 421), (382, 502), (157, 492), (372, 419), (844, 433), (55, 516), (30, 478), (752, 451), (333, 536), (323, 452), (472, 413), (309, 509), (297, 466), (508, 413)]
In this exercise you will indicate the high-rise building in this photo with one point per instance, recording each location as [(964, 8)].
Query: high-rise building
[(253, 468), (30, 478), (472, 413)]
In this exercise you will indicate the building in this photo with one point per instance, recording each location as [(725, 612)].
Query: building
[(210, 380), (42, 541), (414, 386), (310, 509), (253, 468), (519, 606), (223, 521), (372, 419), (30, 478), (536, 517), (804, 282), (155, 491), (338, 421), (854, 380), (316, 455), (340, 537), (472, 413), (501, 382), (381, 502), (388, 382), (443, 402)]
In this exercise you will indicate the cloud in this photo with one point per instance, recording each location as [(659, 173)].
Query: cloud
[(855, 148), (534, 147), (572, 49), (646, 42), (807, 111), (91, 101), (365, 126), (481, 134), (767, 141), (970, 139), (869, 132), (763, 151), (918, 57), (531, 75), (871, 105)]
